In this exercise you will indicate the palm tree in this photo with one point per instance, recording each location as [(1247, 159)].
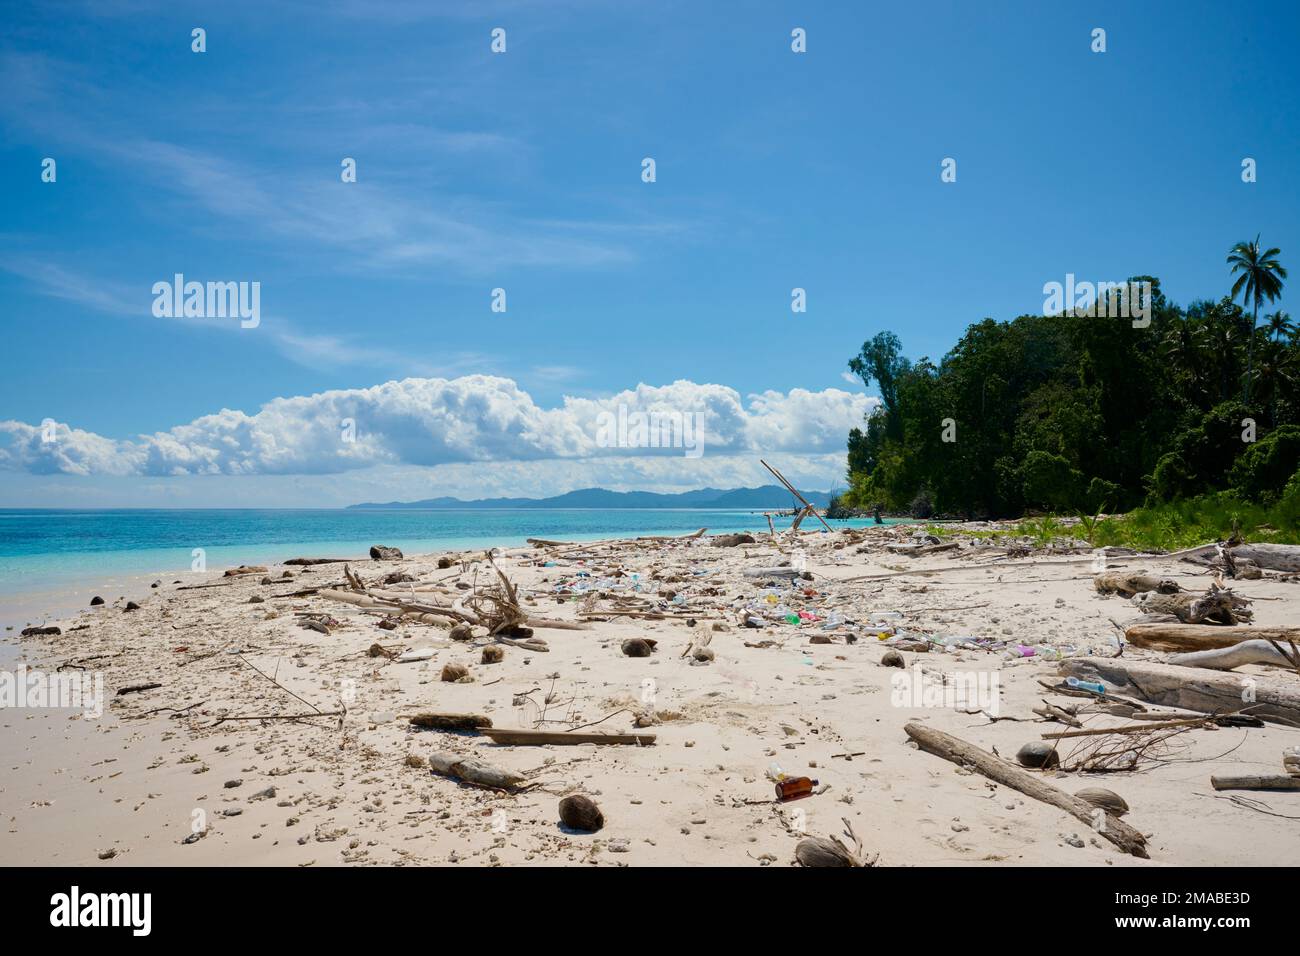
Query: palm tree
[(1261, 278), (1280, 324), (1181, 346)]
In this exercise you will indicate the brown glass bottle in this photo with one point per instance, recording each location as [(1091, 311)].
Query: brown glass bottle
[(792, 788)]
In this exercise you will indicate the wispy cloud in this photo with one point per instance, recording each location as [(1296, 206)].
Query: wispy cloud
[(370, 225)]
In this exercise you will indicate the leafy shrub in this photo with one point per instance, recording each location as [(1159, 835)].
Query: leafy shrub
[(1050, 482), (1262, 471)]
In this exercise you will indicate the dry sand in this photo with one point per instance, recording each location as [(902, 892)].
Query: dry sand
[(130, 788)]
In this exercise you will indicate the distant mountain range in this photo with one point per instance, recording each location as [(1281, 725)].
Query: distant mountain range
[(768, 497)]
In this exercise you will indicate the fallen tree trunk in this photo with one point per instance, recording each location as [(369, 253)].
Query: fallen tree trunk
[(964, 754), (1275, 699), (1203, 637), (1226, 658)]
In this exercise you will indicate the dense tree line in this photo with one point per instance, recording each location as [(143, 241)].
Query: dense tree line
[(1082, 411)]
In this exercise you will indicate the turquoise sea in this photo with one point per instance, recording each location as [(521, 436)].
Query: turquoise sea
[(44, 551)]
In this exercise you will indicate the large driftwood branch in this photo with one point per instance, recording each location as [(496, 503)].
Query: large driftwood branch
[(1202, 637), (1275, 699), (1226, 658), (968, 755), (1271, 557)]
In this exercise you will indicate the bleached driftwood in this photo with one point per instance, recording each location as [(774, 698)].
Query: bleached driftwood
[(1201, 637), (1128, 583), (1216, 606), (1271, 557), (474, 771), (425, 615), (968, 755), (1275, 699), (1226, 658)]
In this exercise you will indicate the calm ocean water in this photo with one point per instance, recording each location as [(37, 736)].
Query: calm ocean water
[(44, 550)]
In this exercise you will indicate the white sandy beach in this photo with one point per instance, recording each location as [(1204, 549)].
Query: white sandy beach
[(131, 787)]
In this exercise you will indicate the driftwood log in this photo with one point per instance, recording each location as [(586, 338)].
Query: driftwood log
[(1128, 583), (1271, 557), (1274, 699), (1216, 606), (968, 755), (469, 770), (1274, 782), (1226, 658), (451, 721), (518, 736), (1202, 637)]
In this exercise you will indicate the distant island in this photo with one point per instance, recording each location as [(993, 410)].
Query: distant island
[(767, 498)]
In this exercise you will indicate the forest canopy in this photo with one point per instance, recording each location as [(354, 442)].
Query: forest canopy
[(1074, 413)]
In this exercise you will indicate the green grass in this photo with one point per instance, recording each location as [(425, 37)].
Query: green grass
[(1184, 524), (1168, 527)]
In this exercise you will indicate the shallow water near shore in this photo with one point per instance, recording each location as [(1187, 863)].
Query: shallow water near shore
[(53, 561)]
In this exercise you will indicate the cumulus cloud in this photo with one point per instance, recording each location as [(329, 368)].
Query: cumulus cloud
[(433, 422)]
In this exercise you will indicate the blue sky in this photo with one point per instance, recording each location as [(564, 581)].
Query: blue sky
[(522, 171)]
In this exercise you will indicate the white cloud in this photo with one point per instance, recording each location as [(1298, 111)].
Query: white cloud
[(436, 422)]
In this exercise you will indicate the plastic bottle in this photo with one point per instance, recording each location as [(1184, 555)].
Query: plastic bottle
[(1094, 687)]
